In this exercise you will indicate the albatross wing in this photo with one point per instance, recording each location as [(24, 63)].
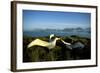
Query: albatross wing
[(38, 42)]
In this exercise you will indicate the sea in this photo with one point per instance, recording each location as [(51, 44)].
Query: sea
[(43, 33)]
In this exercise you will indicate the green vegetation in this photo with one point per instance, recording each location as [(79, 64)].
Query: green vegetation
[(39, 54)]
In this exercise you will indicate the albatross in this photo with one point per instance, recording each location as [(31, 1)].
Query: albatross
[(39, 42)]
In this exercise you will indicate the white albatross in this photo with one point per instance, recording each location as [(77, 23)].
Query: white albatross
[(51, 44)]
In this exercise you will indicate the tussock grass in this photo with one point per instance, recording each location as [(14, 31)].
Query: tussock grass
[(59, 53)]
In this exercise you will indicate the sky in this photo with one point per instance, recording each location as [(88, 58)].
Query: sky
[(54, 20)]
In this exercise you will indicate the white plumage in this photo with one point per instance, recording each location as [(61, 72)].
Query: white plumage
[(68, 45), (39, 42), (52, 35), (65, 42), (51, 44)]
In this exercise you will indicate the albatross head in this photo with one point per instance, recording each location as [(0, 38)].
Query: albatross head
[(51, 36)]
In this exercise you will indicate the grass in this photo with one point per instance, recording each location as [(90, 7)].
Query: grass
[(59, 53)]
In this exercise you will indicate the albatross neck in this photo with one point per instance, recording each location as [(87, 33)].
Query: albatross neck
[(54, 41)]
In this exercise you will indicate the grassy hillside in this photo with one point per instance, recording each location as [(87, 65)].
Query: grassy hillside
[(38, 53)]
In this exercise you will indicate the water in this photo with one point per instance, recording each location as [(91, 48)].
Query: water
[(43, 33)]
